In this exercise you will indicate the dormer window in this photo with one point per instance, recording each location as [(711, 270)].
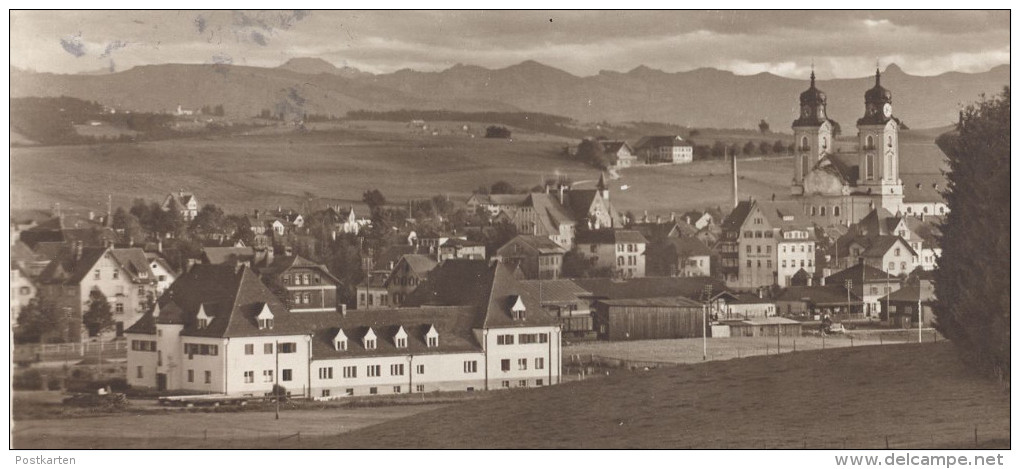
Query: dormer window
[(432, 337), (517, 311), (369, 341), (265, 318), (400, 338), (202, 317), (340, 341)]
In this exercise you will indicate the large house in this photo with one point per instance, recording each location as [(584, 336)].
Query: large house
[(620, 251), (566, 301), (123, 276), (764, 244), (184, 202), (679, 257), (411, 270), (309, 286), (624, 154), (220, 330), (665, 149), (868, 283), (537, 256)]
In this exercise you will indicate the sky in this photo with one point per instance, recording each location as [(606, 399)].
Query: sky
[(840, 44)]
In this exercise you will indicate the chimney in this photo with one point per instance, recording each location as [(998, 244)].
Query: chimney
[(343, 309), (672, 216), (92, 215), (256, 214), (562, 187), (159, 246), (736, 197), (269, 255), (77, 250)]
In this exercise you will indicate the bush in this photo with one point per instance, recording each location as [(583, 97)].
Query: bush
[(92, 385), (280, 391), (31, 380), (54, 383)]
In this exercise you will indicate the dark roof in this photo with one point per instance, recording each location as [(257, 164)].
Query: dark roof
[(656, 141), (854, 273), (736, 218), (668, 301), (392, 254), (69, 228), (457, 242), (282, 264), (539, 244), (68, 268), (613, 146), (653, 231), (453, 325), (419, 263), (491, 287), (579, 202), (554, 291), (228, 255), (845, 166), (134, 262), (609, 236), (923, 188), (232, 296), (651, 287), (818, 294), (689, 247)]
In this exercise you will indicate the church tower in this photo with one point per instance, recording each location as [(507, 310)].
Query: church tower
[(878, 138), (813, 132)]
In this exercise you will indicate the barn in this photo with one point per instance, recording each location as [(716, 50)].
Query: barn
[(648, 318), (758, 327)]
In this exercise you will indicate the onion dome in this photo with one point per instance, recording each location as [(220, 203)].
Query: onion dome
[(878, 94), (812, 95)]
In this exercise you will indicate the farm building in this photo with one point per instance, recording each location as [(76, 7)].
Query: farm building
[(726, 305), (648, 318), (819, 300), (564, 300), (900, 307), (757, 327)]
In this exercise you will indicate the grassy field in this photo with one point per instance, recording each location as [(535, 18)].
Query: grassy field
[(281, 166), (916, 396)]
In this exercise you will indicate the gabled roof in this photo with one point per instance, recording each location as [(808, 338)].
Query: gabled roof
[(134, 262), (232, 296), (651, 287), (689, 247), (909, 293), (609, 236), (69, 269), (457, 242), (736, 218), (818, 295), (923, 188), (282, 264), (856, 273), (392, 254), (655, 141), (538, 244), (845, 166), (668, 229), (452, 323), (492, 288), (549, 212), (579, 202), (614, 146), (419, 264), (554, 291), (668, 301), (228, 255), (879, 245)]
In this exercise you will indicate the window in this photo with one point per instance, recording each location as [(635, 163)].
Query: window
[(784, 263), (249, 349), (505, 339), (286, 375), (420, 369), (265, 323), (373, 390), (397, 369), (897, 252), (835, 211), (116, 275), (749, 263), (288, 347), (522, 383), (349, 391), (539, 382), (748, 248), (97, 276), (822, 211), (543, 338), (768, 249), (540, 363), (402, 343), (350, 372), (249, 376), (528, 338), (504, 365), (202, 323), (396, 389), (325, 393), (139, 373), (768, 263), (119, 307), (267, 376), (903, 266), (208, 377), (326, 372), (191, 376), (419, 388), (341, 345), (267, 349), (373, 370), (471, 366), (506, 383), (369, 344), (759, 249), (522, 363)]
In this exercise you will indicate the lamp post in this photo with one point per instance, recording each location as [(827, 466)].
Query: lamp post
[(276, 377), (704, 332), (919, 320)]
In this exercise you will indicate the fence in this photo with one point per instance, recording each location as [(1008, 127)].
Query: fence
[(70, 351)]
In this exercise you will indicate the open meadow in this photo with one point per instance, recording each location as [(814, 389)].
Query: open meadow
[(304, 170)]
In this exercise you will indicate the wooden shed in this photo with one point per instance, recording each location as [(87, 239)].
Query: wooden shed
[(648, 318), (764, 327)]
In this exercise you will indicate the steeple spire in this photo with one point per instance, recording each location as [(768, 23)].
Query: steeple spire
[(878, 75), (812, 73)]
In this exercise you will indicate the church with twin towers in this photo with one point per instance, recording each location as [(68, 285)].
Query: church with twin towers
[(837, 179)]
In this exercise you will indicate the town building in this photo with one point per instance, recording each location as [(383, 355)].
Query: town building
[(767, 243), (184, 202), (537, 256), (757, 327), (411, 270), (565, 301), (817, 301), (372, 292), (310, 287), (161, 271), (679, 257), (900, 308), (665, 149), (458, 248), (23, 291), (868, 283), (649, 318), (123, 276), (625, 156), (621, 252)]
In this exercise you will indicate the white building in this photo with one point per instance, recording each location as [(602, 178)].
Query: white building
[(219, 330)]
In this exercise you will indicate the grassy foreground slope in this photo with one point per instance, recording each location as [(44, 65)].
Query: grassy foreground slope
[(917, 395)]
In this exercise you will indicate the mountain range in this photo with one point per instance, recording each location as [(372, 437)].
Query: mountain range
[(698, 98)]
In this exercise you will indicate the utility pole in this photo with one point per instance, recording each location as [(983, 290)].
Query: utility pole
[(849, 285), (276, 377), (704, 332), (919, 320)]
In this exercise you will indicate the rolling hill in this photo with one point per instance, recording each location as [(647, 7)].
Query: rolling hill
[(698, 98)]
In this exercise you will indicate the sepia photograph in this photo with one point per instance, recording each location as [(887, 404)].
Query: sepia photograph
[(779, 230)]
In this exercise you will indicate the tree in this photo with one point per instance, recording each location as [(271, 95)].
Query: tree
[(718, 148), (494, 131), (749, 147), (590, 151), (241, 230), (972, 279), (778, 147), (98, 318), (374, 199), (127, 226), (208, 221), (502, 187), (764, 147), (41, 319), (763, 126)]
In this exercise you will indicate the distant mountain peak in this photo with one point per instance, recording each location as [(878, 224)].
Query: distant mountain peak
[(893, 69)]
